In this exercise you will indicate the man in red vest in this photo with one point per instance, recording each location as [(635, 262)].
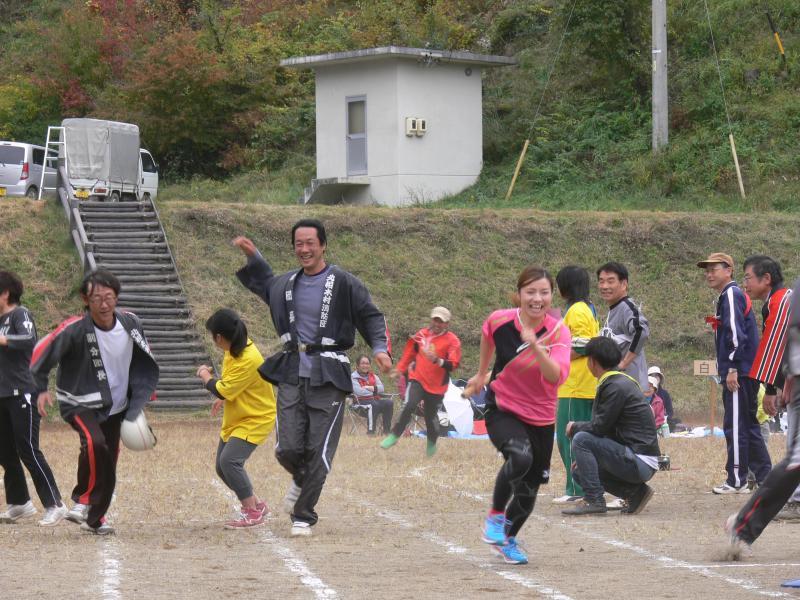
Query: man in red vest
[(763, 280), (429, 357)]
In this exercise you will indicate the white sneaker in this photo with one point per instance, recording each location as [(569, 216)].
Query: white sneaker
[(53, 516), (729, 489), (567, 499), (103, 529), (78, 513), (300, 529), (289, 500), (615, 504), (15, 512)]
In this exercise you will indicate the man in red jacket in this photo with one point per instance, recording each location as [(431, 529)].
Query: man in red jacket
[(429, 357), (763, 280)]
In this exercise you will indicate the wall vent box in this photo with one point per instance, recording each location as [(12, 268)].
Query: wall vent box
[(422, 126), (411, 126)]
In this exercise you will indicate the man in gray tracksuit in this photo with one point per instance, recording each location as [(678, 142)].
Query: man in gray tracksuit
[(625, 323), (316, 312)]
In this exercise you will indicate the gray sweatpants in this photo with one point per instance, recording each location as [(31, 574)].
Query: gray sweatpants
[(231, 456), (309, 424)]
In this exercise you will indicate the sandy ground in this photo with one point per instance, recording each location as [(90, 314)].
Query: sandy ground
[(393, 524)]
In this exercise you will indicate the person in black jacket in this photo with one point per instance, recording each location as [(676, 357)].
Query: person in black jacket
[(106, 373), (617, 451), (316, 311), (19, 419)]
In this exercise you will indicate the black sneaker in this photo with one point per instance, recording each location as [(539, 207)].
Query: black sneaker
[(637, 502), (585, 507)]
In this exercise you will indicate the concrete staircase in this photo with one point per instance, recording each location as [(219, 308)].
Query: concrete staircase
[(128, 239)]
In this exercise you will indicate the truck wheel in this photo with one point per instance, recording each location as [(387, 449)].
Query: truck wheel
[(32, 193), (146, 197), (114, 197)]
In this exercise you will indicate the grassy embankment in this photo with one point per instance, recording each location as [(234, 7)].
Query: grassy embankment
[(413, 259)]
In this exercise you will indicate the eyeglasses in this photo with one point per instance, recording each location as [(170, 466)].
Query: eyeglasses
[(108, 299)]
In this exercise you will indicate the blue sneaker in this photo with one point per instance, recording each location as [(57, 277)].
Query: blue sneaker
[(512, 553), (494, 529)]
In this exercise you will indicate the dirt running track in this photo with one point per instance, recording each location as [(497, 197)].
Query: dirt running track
[(393, 524)]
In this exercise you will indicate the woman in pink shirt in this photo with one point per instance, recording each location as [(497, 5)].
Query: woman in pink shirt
[(532, 359)]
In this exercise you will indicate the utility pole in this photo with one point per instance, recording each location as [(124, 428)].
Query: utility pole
[(660, 97)]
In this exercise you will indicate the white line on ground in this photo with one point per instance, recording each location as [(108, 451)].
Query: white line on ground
[(665, 561), (453, 548), (108, 551), (736, 565), (291, 561)]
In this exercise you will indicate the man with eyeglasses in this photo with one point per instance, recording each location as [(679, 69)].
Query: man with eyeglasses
[(763, 280), (736, 340), (106, 373)]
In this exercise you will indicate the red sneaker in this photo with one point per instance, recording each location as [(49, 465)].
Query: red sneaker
[(247, 518), (262, 506)]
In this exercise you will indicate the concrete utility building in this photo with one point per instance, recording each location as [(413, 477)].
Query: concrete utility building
[(396, 125)]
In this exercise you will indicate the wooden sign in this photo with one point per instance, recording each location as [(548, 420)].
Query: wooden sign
[(705, 368), (708, 368)]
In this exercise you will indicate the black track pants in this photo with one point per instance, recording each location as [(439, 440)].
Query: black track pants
[(19, 444), (309, 424)]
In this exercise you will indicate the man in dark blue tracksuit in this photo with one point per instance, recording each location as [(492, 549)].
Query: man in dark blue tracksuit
[(736, 341)]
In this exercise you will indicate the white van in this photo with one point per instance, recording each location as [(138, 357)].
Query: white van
[(21, 169), (149, 176)]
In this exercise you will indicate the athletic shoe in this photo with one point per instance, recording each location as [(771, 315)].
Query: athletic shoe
[(567, 499), (78, 513), (737, 547), (289, 500), (494, 529), (615, 504), (53, 516), (725, 488), (263, 508), (247, 518), (790, 512), (103, 529), (389, 441), (15, 512), (300, 529), (430, 449), (511, 552), (636, 503), (585, 507)]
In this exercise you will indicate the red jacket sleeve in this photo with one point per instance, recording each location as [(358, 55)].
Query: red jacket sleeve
[(409, 354)]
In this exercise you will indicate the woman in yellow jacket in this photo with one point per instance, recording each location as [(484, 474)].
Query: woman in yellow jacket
[(248, 415)]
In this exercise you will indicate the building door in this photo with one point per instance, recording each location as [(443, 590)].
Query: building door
[(357, 135)]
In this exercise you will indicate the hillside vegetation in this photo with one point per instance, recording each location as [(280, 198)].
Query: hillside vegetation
[(414, 259), (200, 77)]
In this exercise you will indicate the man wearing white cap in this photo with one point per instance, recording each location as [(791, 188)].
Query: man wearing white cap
[(430, 355), (736, 340)]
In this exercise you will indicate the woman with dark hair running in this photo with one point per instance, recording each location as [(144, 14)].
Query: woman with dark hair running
[(532, 350), (576, 394), (248, 415)]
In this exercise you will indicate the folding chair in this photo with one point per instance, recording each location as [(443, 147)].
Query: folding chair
[(356, 413)]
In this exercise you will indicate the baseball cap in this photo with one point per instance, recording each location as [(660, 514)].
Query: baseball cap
[(715, 258), (440, 312)]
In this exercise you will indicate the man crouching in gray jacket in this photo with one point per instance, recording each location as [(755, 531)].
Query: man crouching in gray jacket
[(617, 451)]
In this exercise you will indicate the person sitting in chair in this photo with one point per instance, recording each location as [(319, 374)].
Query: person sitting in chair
[(367, 389)]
